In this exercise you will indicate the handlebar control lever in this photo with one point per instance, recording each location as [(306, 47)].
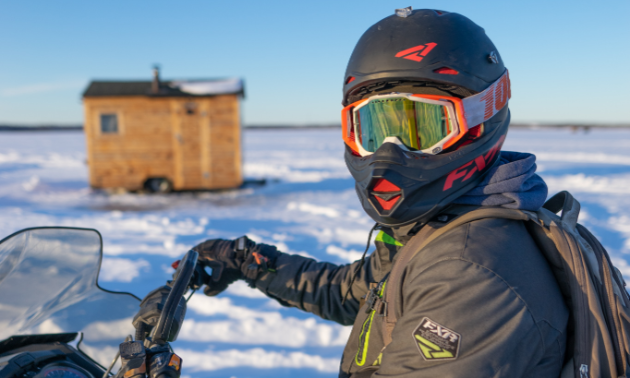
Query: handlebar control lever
[(133, 357), (164, 364)]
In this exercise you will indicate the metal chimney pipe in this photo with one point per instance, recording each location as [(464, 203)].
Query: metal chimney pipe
[(155, 85)]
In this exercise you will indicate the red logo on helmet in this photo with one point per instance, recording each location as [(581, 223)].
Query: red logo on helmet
[(467, 170), (416, 53), (386, 193)]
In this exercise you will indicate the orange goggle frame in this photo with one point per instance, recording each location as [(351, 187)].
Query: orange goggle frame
[(464, 114)]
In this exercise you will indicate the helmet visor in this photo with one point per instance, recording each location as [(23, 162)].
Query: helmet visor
[(418, 123)]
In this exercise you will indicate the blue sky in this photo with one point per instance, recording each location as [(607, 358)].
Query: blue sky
[(568, 59)]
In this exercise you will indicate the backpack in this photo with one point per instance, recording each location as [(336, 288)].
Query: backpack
[(598, 342)]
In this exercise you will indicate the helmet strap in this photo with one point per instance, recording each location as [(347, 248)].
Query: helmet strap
[(483, 106)]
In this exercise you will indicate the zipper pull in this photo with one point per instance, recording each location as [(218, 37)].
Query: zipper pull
[(584, 371), (372, 296)]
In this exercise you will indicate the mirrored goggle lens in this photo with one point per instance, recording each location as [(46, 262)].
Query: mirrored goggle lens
[(418, 125)]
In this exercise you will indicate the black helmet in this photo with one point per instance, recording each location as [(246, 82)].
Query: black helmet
[(423, 52)]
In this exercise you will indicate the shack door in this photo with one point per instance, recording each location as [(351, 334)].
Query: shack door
[(191, 145)]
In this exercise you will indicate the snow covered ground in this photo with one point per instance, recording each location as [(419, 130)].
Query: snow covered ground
[(309, 207)]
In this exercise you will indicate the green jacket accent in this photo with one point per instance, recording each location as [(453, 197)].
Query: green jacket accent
[(383, 237)]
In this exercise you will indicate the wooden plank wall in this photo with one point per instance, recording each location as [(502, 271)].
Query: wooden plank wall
[(187, 143), (225, 142), (194, 142)]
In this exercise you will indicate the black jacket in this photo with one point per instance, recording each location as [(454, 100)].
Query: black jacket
[(479, 301)]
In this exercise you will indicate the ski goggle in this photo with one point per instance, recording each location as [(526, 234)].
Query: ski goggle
[(421, 123)]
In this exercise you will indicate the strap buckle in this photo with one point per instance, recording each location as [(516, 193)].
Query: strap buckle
[(241, 244), (371, 300), (381, 308), (375, 302), (240, 248)]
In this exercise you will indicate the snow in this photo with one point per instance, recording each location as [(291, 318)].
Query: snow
[(247, 326), (209, 87), (257, 358), (309, 207)]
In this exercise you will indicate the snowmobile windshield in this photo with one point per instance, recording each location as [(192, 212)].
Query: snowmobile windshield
[(48, 284)]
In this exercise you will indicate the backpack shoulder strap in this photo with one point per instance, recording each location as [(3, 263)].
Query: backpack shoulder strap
[(419, 241), (568, 207), (593, 288)]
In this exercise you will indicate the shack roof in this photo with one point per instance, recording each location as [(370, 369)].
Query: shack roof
[(173, 88)]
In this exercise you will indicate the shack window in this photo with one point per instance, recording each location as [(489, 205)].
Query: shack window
[(190, 108), (109, 123)]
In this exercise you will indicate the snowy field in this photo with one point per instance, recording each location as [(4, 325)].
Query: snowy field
[(309, 207)]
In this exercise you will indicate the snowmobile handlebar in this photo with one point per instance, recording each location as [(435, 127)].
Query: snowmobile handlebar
[(154, 354), (162, 332)]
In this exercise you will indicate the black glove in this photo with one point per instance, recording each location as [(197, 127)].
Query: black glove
[(219, 255), (231, 260), (151, 309)]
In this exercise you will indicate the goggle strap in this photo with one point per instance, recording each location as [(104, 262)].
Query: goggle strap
[(483, 106)]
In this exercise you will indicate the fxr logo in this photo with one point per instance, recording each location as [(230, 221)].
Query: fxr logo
[(416, 53), (441, 331), (480, 164)]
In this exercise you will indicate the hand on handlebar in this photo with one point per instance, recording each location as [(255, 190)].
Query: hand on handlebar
[(231, 260), (158, 361), (151, 309), (219, 255), (161, 315)]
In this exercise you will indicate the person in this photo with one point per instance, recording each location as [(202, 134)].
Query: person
[(425, 115)]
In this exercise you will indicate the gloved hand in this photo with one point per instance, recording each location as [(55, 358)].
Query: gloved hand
[(231, 260), (219, 255), (150, 311)]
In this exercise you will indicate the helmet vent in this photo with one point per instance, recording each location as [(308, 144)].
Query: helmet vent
[(439, 12), (387, 204), (383, 185), (350, 79), (386, 193), (446, 71)]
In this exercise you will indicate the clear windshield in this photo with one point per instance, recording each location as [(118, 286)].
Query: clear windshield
[(48, 284)]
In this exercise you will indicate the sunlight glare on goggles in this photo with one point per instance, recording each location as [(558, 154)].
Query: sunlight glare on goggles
[(418, 125)]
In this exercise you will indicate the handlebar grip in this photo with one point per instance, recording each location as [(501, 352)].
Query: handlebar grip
[(180, 285), (140, 331)]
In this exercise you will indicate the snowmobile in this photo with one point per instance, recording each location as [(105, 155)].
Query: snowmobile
[(57, 322)]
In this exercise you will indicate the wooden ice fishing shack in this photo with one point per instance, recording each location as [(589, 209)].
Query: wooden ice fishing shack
[(163, 135)]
